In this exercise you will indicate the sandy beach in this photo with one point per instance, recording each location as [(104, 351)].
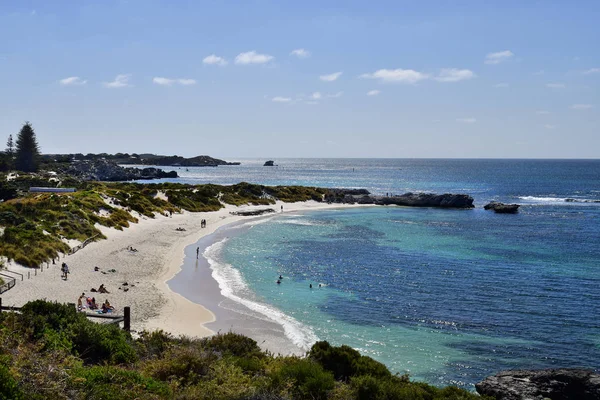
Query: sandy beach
[(138, 278)]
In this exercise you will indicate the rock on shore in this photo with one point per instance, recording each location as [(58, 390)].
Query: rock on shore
[(361, 196), (502, 208), (103, 170), (554, 384)]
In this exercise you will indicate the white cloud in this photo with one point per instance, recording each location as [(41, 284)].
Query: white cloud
[(72, 80), (592, 71), (336, 95), (542, 112), (300, 53), (186, 82), (169, 81), (279, 99), (397, 75), (252, 57), (331, 77), (454, 75), (120, 81), (501, 85), (498, 57), (581, 106), (316, 96), (163, 81), (556, 85), (548, 126), (466, 120), (214, 59), (373, 92)]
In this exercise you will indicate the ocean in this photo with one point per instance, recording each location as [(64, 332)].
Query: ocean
[(447, 296)]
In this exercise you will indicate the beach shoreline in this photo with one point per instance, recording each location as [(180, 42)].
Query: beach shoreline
[(139, 279)]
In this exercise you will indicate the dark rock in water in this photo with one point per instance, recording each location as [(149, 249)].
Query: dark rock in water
[(252, 213), (269, 163), (502, 208), (362, 196), (554, 384), (103, 170)]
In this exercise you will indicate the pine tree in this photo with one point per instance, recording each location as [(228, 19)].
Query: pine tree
[(28, 151), (9, 153), (10, 146)]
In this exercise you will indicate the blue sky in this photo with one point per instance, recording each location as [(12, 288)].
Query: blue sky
[(304, 78)]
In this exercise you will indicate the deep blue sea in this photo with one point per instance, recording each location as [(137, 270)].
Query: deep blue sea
[(448, 296)]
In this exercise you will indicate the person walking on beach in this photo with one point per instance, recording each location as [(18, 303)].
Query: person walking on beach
[(197, 252), (282, 208), (65, 271)]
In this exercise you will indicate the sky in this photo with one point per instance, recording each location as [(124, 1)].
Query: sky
[(258, 78)]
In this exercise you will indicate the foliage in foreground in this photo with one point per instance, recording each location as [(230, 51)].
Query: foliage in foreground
[(50, 351)]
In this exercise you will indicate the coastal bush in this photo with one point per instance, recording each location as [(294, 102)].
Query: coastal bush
[(9, 388), (345, 362), (110, 382), (233, 344), (50, 351), (306, 378)]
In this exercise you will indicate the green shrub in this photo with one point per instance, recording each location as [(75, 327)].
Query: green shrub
[(345, 362), (307, 378), (9, 389), (184, 365), (233, 344), (109, 382), (96, 343)]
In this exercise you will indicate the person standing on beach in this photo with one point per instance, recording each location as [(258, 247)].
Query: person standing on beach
[(282, 208), (197, 252)]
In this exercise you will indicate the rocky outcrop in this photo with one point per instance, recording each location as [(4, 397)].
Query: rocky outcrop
[(361, 196), (502, 208), (554, 384), (103, 170), (252, 213), (269, 163), (176, 161)]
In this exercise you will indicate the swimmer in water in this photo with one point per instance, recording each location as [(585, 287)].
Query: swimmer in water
[(280, 277), (311, 285), (278, 281)]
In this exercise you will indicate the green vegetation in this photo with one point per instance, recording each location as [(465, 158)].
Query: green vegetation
[(36, 224), (50, 351), (27, 154)]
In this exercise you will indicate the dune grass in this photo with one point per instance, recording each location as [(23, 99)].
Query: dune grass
[(36, 225)]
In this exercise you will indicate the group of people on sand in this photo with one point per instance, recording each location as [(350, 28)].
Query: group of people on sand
[(90, 303), (64, 269), (130, 248), (203, 223)]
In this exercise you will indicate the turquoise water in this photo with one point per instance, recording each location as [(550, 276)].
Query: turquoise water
[(448, 296)]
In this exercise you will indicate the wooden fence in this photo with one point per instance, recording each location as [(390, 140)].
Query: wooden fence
[(7, 284), (115, 319)]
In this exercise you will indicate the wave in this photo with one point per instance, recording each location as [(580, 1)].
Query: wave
[(296, 221), (548, 200), (234, 287)]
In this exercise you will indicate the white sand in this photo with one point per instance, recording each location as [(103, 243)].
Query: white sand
[(159, 257)]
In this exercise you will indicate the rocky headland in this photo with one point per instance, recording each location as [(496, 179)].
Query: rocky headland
[(104, 170), (362, 196)]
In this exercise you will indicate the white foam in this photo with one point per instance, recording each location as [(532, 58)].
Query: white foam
[(295, 221), (550, 200), (234, 287)]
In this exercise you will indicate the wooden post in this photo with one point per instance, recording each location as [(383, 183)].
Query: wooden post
[(127, 320)]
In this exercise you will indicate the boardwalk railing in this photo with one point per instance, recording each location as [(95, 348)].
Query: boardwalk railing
[(115, 319), (7, 284)]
